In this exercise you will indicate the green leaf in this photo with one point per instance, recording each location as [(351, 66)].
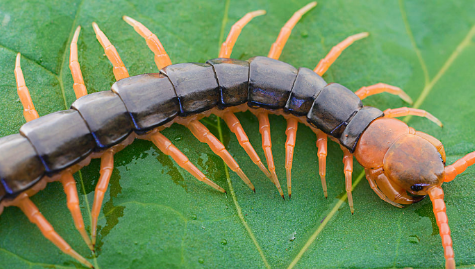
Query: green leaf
[(156, 215)]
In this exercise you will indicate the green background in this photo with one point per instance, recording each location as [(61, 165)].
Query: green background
[(157, 215)]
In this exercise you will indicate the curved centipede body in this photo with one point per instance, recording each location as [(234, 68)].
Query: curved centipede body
[(402, 165)]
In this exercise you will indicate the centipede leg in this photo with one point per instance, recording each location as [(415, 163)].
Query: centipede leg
[(204, 135), (161, 57), (227, 46), (364, 92), (405, 111), (291, 133), (236, 127), (322, 159), (436, 195), (107, 165), (69, 185), (78, 86), (348, 169), (326, 62), (264, 129), (34, 215), (168, 148), (284, 34), (119, 70), (29, 111)]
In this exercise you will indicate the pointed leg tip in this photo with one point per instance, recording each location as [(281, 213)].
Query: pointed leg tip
[(283, 197), (259, 12), (254, 190), (290, 196)]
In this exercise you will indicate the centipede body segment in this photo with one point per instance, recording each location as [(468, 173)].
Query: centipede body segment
[(402, 165)]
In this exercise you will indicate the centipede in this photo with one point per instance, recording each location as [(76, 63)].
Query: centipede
[(402, 165)]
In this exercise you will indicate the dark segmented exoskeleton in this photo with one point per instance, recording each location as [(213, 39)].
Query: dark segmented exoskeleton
[(402, 165)]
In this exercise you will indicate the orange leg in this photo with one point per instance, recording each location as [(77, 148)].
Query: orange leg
[(29, 111), (436, 195), (120, 71), (348, 164), (168, 148), (291, 133), (284, 34), (264, 129), (322, 159), (161, 57), (364, 92), (227, 46), (107, 165), (79, 87), (34, 215), (451, 171), (404, 111), (204, 135), (326, 62), (235, 127), (69, 185)]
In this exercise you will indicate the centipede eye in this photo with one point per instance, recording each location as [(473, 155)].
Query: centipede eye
[(417, 187)]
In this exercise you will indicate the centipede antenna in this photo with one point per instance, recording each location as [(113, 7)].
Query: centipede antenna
[(459, 166), (264, 129), (69, 185), (34, 215), (291, 133), (107, 165), (227, 46), (235, 126), (78, 86), (204, 135), (29, 111), (119, 69), (436, 195), (164, 145), (364, 92), (405, 111), (322, 160), (284, 34), (161, 57), (326, 62)]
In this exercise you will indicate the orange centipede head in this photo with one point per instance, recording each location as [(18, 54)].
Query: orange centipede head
[(414, 164), (403, 166)]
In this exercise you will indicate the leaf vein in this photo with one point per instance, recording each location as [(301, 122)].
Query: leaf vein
[(413, 42), (34, 263), (427, 89)]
